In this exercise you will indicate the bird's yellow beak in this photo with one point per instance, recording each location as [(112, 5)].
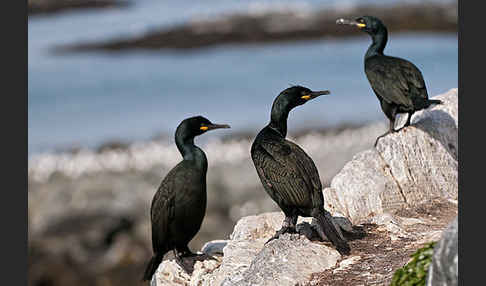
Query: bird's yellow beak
[(203, 128), (314, 94)]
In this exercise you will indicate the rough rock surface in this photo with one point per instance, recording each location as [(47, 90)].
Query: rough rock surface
[(391, 238), (443, 271), (407, 167), (389, 241), (248, 261)]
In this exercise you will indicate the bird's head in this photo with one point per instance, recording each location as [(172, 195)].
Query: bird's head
[(197, 125), (369, 24), (297, 95)]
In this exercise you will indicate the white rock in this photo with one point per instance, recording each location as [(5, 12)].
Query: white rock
[(289, 260), (407, 167)]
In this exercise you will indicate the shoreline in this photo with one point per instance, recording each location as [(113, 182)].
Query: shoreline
[(122, 144), (160, 150), (276, 26)]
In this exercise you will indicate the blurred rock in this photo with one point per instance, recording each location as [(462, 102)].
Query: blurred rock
[(293, 24), (408, 167), (443, 271), (44, 7)]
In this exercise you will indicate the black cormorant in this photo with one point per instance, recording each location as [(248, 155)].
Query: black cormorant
[(397, 83), (179, 205), (288, 174)]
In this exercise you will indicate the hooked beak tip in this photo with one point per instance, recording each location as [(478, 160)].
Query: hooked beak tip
[(340, 21), (322, 92), (223, 126)]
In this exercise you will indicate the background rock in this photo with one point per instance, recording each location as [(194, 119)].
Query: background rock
[(43, 7), (288, 25)]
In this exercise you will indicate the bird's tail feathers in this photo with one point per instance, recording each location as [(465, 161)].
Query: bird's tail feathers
[(152, 267), (435, 101), (422, 103), (329, 229)]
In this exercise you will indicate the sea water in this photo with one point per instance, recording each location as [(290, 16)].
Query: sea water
[(85, 99)]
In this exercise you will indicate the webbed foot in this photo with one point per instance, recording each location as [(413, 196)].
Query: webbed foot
[(284, 229)]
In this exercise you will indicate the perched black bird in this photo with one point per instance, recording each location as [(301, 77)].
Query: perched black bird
[(288, 174), (179, 205), (397, 83)]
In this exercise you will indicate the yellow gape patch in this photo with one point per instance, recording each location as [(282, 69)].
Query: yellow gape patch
[(204, 128), (361, 25), (306, 97)]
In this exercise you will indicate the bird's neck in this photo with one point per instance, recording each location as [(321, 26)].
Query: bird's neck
[(378, 44), (278, 118), (191, 152)]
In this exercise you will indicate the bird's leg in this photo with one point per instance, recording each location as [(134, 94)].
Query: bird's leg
[(186, 252), (392, 123), (408, 119), (391, 128), (288, 226), (180, 261)]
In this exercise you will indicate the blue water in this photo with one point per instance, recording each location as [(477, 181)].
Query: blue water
[(86, 99)]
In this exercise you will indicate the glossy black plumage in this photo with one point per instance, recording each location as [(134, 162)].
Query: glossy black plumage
[(398, 83), (288, 174), (179, 205)]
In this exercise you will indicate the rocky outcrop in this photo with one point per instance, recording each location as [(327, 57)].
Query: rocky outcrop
[(407, 167), (275, 26), (443, 271), (247, 260), (403, 194), (386, 242)]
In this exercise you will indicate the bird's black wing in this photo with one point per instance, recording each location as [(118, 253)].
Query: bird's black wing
[(395, 80), (162, 211), (287, 173)]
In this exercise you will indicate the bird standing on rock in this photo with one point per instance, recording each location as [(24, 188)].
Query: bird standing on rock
[(397, 83), (179, 205), (288, 174)]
